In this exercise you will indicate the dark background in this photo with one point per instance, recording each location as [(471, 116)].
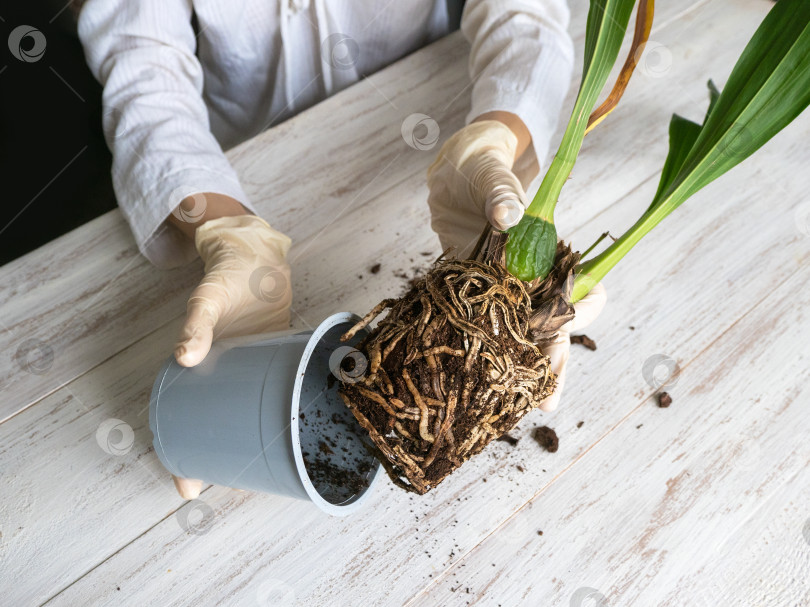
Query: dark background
[(54, 162)]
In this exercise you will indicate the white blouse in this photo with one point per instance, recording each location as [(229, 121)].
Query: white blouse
[(175, 98)]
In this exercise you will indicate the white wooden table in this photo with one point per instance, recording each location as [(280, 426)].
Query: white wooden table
[(701, 504)]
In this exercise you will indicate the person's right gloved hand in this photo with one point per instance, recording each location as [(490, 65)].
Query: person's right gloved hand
[(246, 289), (585, 312), (471, 181)]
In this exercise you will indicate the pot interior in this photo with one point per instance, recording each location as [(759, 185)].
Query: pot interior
[(332, 442)]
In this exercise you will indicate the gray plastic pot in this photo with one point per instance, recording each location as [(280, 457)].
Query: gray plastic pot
[(236, 418)]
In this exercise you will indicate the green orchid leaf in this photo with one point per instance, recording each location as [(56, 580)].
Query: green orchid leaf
[(682, 136), (767, 89)]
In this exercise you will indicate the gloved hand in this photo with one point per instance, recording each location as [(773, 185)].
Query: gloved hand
[(585, 312), (246, 289), (471, 181)]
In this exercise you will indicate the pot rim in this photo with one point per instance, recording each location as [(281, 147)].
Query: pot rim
[(356, 501)]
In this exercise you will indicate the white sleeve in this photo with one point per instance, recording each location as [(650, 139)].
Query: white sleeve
[(521, 60), (155, 120)]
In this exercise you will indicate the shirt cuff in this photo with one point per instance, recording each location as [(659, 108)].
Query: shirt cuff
[(162, 244)]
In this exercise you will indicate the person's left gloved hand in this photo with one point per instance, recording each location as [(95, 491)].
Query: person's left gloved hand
[(471, 181), (246, 289), (585, 312)]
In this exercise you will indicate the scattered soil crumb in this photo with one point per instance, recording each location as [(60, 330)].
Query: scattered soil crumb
[(632, 328), (426, 253), (584, 340), (508, 438), (539, 533), (547, 438), (483, 479), (664, 400), (579, 424), (324, 448), (520, 468), (639, 426), (375, 269)]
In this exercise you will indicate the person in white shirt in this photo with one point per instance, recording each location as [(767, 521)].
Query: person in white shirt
[(184, 80)]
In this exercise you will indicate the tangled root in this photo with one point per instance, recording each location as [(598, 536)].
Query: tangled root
[(456, 362)]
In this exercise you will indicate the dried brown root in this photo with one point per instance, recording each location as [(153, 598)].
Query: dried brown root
[(457, 362)]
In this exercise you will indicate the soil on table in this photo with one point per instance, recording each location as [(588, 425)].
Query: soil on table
[(508, 438), (584, 340), (664, 400), (547, 438)]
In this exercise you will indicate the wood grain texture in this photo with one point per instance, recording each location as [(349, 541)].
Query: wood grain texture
[(79, 522)]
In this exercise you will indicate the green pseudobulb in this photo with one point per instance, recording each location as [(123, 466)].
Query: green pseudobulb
[(531, 248)]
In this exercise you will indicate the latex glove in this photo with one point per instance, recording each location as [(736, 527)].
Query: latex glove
[(246, 289), (585, 312), (471, 181)]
